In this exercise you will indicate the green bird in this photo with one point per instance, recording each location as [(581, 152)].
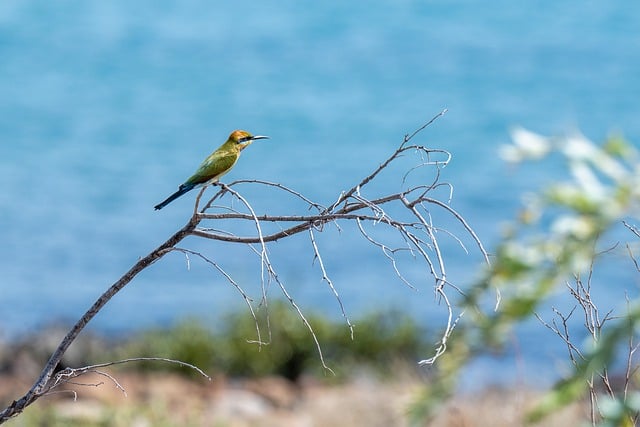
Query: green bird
[(217, 164)]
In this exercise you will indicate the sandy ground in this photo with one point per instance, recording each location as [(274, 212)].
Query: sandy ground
[(143, 400)]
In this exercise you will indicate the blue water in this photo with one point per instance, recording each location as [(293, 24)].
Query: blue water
[(105, 107)]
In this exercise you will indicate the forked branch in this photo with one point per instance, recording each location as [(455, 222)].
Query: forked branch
[(406, 213)]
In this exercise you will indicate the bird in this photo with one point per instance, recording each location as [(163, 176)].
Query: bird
[(216, 165)]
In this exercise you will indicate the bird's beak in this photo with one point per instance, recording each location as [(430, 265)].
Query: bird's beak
[(248, 142)]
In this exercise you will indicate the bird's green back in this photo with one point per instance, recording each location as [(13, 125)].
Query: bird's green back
[(217, 164)]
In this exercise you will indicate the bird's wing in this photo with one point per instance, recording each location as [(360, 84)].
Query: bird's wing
[(213, 168)]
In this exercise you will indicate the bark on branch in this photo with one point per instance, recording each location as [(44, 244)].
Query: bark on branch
[(415, 228)]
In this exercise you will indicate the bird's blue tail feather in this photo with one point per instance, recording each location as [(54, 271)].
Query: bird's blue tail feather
[(184, 188)]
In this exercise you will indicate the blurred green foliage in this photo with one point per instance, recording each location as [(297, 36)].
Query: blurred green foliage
[(380, 341), (562, 230), (558, 234)]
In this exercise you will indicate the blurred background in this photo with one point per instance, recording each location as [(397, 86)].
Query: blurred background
[(105, 107)]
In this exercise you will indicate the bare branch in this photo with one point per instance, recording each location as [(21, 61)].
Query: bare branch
[(68, 374), (408, 138), (44, 383), (632, 228), (406, 213), (235, 284), (326, 278)]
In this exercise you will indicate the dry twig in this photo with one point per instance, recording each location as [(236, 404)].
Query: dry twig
[(413, 225)]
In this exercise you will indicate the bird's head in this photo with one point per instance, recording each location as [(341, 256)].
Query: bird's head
[(244, 138)]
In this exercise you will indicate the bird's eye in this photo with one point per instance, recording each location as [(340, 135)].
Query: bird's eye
[(244, 139)]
